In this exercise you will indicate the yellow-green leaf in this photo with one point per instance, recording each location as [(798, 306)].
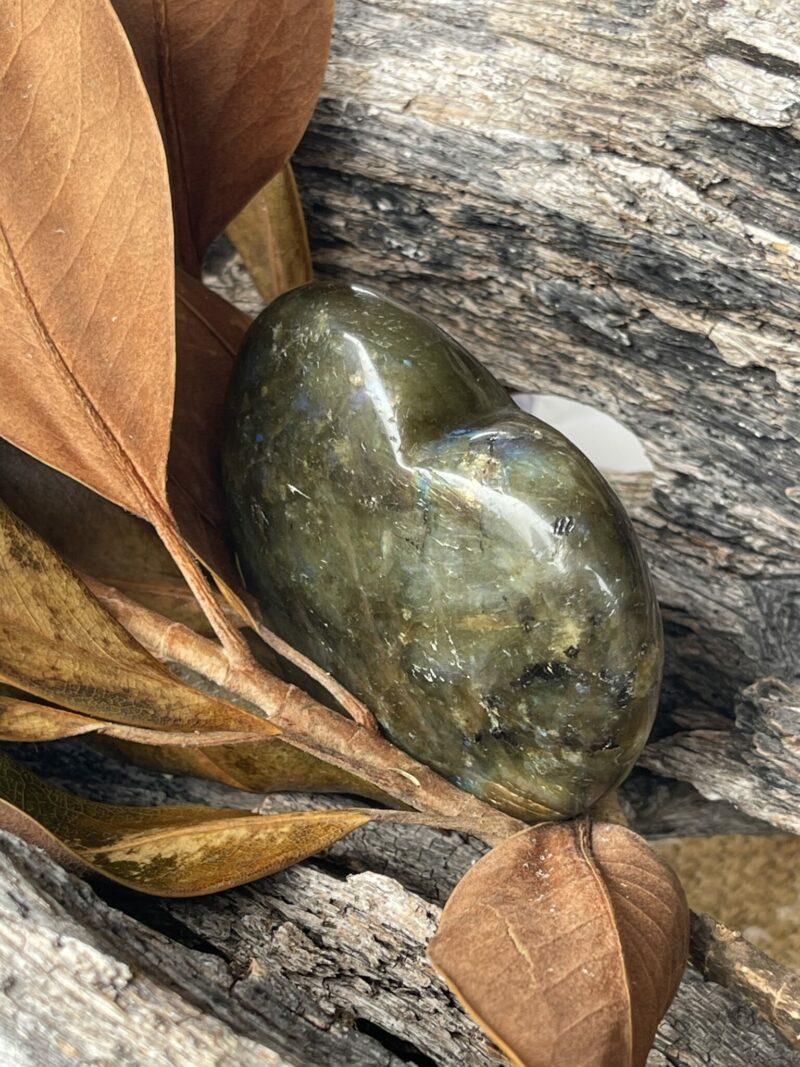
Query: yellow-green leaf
[(258, 767), (58, 642), (175, 851), (24, 720), (97, 537), (239, 758), (270, 235)]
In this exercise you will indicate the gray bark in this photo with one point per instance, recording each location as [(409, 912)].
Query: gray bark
[(755, 765), (774, 989), (304, 967), (325, 962)]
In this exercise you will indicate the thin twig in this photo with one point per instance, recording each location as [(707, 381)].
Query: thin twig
[(729, 959), (226, 630), (349, 703)]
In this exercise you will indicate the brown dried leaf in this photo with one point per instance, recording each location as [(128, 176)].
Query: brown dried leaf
[(86, 256), (96, 537), (209, 333), (102, 540), (176, 851), (25, 721), (86, 268), (233, 83), (57, 642), (239, 758), (270, 236), (566, 943), (271, 766)]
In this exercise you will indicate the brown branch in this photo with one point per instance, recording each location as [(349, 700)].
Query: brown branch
[(352, 705), (231, 638), (225, 629), (311, 726), (727, 958)]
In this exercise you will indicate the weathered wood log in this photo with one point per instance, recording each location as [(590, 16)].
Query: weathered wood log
[(67, 997), (774, 989), (660, 807), (755, 765), (300, 968), (424, 863), (600, 200)]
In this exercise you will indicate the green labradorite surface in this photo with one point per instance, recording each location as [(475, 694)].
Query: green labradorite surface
[(456, 563)]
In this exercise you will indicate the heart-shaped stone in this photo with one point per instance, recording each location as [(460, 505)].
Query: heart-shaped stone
[(456, 563)]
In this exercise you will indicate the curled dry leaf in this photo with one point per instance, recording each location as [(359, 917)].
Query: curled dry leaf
[(86, 258), (566, 943), (270, 236), (176, 851), (24, 720), (96, 537), (122, 549), (87, 324), (57, 642), (256, 767), (233, 83)]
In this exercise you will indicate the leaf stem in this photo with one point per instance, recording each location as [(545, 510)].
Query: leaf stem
[(226, 630), (309, 725), (352, 705)]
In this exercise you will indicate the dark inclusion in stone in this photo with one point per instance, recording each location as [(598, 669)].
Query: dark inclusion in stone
[(456, 563)]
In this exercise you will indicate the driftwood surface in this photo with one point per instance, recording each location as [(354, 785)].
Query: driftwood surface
[(324, 963), (599, 199)]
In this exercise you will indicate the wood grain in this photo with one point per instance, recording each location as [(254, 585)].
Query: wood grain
[(316, 968), (755, 765), (600, 199), (342, 978)]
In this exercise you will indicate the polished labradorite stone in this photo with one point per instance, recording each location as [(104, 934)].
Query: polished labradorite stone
[(456, 563)]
